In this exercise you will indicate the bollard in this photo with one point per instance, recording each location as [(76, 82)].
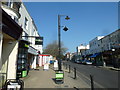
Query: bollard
[(74, 73), (63, 64), (66, 66), (69, 68), (92, 83)]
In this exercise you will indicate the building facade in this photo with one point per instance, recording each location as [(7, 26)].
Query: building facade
[(104, 49), (82, 51), (32, 39), (95, 45), (12, 8), (111, 47), (20, 42), (9, 40), (30, 35)]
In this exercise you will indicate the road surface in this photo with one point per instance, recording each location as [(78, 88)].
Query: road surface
[(103, 78)]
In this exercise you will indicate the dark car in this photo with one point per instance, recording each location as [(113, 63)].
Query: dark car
[(87, 62), (79, 61)]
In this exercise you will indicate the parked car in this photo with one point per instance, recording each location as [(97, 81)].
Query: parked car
[(79, 61), (87, 62)]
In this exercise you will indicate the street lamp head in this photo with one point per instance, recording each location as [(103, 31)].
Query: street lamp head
[(67, 18), (65, 28)]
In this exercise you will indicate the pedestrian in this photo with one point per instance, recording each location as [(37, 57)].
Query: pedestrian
[(56, 65), (28, 68)]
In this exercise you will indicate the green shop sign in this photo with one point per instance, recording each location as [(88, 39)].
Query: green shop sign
[(38, 40), (26, 45)]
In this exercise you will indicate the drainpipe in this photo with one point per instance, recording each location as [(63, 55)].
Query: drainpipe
[(1, 40)]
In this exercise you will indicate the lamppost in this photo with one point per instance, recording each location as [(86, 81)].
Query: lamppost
[(114, 61), (59, 40), (59, 72)]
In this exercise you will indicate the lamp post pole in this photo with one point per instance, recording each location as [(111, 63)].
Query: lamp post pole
[(59, 44), (60, 72), (59, 40)]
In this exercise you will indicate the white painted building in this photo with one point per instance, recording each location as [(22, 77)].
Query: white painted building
[(82, 49), (95, 45), (18, 12), (30, 30), (9, 40), (105, 43), (12, 8), (111, 41)]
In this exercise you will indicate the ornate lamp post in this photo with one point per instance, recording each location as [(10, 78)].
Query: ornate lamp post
[(59, 39), (59, 72)]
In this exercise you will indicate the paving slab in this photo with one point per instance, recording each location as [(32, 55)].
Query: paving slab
[(41, 78)]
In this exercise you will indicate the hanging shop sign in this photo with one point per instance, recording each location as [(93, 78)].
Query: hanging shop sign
[(24, 44), (27, 46), (38, 40)]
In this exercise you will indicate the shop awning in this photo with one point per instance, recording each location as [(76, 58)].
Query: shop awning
[(94, 55)]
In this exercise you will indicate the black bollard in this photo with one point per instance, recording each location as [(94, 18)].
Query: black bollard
[(92, 83), (66, 66), (63, 63), (74, 73), (69, 68)]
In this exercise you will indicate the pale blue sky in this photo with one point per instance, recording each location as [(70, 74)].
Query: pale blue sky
[(88, 20)]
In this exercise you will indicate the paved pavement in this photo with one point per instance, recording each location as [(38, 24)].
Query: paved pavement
[(110, 68), (45, 79)]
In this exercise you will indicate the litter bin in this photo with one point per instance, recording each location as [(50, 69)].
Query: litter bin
[(59, 77), (24, 73), (13, 84)]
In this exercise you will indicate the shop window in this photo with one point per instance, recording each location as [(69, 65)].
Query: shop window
[(16, 6), (16, 19), (26, 38), (10, 3), (26, 23), (22, 62)]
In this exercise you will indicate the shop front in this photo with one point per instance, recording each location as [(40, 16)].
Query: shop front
[(9, 40), (116, 58), (22, 62), (32, 57), (97, 59), (43, 59), (112, 57)]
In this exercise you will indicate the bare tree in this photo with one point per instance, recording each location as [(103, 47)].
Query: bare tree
[(52, 49)]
